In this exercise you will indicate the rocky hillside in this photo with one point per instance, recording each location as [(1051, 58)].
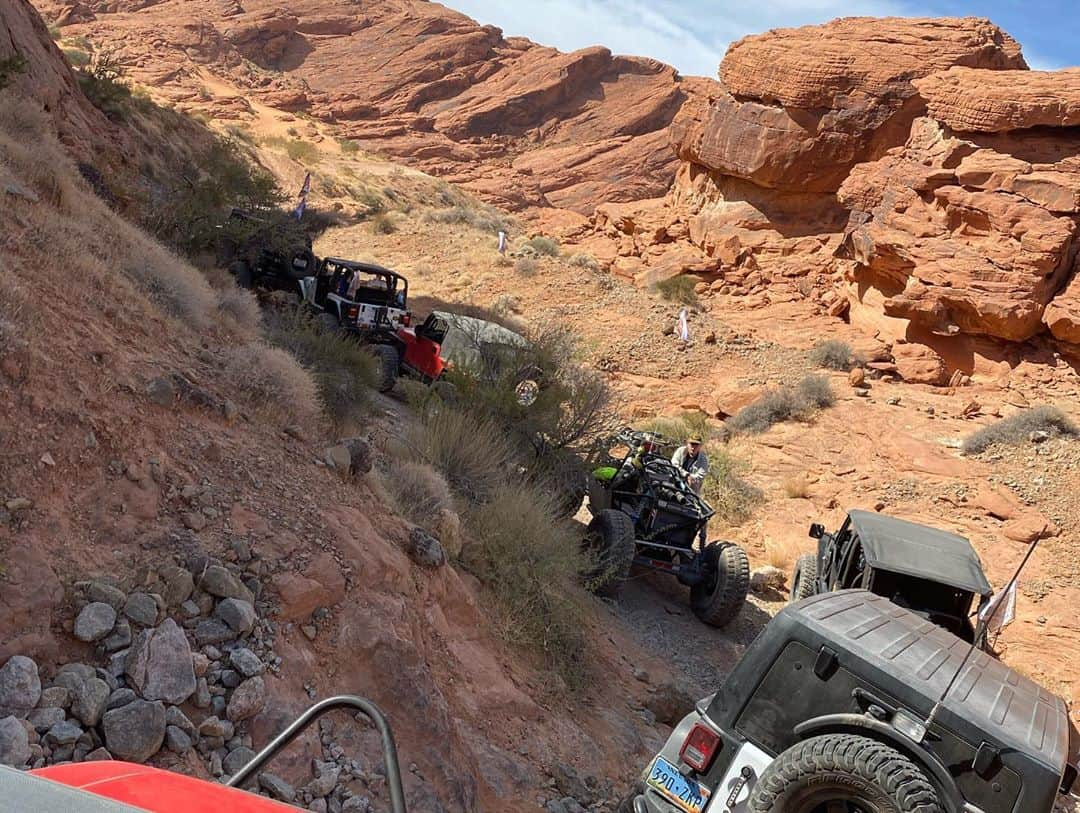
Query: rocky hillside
[(520, 124)]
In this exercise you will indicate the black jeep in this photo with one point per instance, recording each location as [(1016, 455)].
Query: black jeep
[(840, 706), (935, 573), (272, 251), (645, 514)]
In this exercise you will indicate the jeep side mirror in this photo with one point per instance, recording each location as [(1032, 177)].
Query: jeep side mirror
[(817, 530)]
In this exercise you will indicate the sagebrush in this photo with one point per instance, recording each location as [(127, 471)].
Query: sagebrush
[(783, 404), (271, 381), (678, 289), (833, 354), (1018, 428)]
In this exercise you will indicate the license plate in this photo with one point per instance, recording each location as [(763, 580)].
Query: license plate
[(686, 793)]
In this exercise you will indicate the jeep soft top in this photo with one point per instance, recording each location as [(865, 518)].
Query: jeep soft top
[(851, 661), (917, 550)]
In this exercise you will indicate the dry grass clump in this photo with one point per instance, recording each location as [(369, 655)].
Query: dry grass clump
[(678, 289), (547, 246), (241, 307), (172, 283), (1018, 428), (272, 381), (482, 218), (383, 223), (833, 354), (531, 565), (418, 492), (585, 261), (470, 450), (783, 404), (526, 266), (797, 486), (345, 372), (782, 553)]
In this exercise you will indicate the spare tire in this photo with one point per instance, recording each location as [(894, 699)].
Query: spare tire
[(804, 579), (241, 269), (609, 540), (389, 361), (719, 596), (844, 771)]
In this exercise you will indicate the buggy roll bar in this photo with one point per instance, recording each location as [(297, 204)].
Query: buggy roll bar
[(350, 701)]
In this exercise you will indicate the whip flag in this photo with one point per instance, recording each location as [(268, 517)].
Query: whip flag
[(1001, 611), (684, 328), (302, 205)]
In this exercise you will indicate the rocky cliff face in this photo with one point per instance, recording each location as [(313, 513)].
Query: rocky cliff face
[(521, 124), (970, 227)]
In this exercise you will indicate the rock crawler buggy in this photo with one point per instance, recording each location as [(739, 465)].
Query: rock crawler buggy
[(645, 514), (847, 703), (934, 573)]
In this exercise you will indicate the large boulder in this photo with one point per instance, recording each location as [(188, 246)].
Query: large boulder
[(975, 232), (14, 742), (248, 699), (159, 664), (94, 621), (134, 732), (20, 686)]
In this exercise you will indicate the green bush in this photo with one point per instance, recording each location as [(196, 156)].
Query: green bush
[(76, 57), (1018, 428), (783, 404), (348, 146), (678, 289), (55, 32), (345, 372), (303, 151), (833, 355), (547, 246), (531, 564), (102, 82)]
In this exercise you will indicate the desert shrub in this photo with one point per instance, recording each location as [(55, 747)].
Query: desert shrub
[(833, 354), (17, 313), (241, 306), (382, 223), (586, 261), (418, 492), (678, 289), (348, 146), (678, 428), (526, 266), (102, 82), (547, 246), (194, 216), (1018, 429), (303, 151), (783, 404), (271, 380), (531, 565), (77, 57), (10, 67), (344, 371), (725, 489), (55, 32), (471, 450), (172, 283), (481, 218), (797, 486)]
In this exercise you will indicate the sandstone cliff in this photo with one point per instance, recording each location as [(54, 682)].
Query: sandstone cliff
[(521, 124)]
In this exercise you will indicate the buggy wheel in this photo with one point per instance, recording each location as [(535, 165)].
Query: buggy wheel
[(609, 539), (388, 365), (804, 579), (242, 271), (843, 773), (718, 597)]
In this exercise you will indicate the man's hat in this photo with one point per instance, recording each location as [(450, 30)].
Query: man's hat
[(695, 438)]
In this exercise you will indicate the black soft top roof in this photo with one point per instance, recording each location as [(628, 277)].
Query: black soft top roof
[(916, 659), (371, 268), (906, 547)]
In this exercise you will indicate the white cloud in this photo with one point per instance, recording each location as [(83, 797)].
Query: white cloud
[(692, 35)]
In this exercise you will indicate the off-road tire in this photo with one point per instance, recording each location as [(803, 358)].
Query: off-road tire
[(804, 579), (389, 361), (844, 768), (242, 272), (626, 803), (717, 599), (610, 539)]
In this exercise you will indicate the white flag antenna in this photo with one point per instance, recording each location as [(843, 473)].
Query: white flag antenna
[(1000, 611), (684, 327)]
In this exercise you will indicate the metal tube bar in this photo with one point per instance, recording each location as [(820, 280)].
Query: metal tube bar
[(393, 770)]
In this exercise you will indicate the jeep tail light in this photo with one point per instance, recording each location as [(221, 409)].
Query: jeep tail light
[(354, 312), (406, 319), (699, 747)]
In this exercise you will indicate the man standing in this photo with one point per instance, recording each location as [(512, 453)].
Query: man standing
[(693, 462)]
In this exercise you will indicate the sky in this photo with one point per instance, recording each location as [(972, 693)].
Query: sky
[(693, 35)]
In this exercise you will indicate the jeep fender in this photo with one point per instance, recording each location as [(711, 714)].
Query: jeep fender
[(951, 798)]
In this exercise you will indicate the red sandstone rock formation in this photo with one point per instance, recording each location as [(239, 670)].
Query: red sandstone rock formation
[(521, 124)]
